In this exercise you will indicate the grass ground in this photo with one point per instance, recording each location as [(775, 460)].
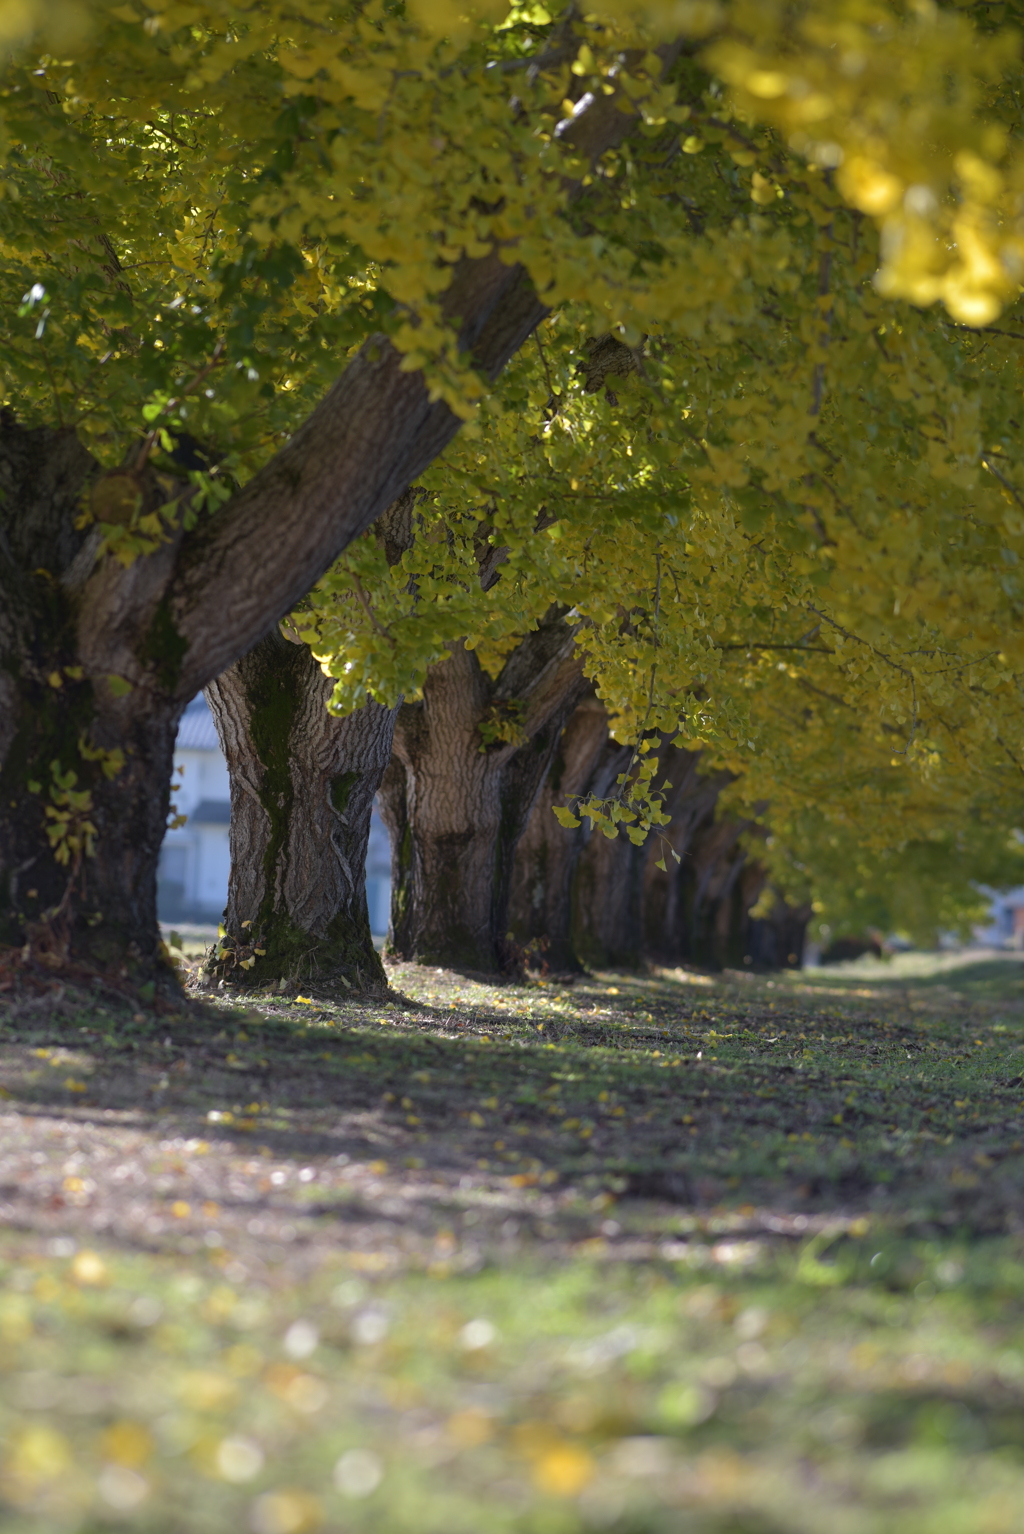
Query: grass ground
[(668, 1253)]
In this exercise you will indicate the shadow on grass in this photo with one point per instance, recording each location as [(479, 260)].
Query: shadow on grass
[(665, 1098)]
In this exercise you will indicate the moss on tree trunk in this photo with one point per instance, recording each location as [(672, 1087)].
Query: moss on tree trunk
[(302, 790)]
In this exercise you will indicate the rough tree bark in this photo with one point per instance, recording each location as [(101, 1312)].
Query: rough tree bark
[(627, 911), (677, 920), (302, 788), (456, 806), (96, 658), (585, 762), (621, 902)]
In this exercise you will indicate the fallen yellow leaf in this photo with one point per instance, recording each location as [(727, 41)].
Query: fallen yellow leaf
[(88, 1268), (470, 1427), (563, 1470), (126, 1443)]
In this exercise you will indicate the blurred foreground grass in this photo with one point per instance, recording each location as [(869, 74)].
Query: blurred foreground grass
[(649, 1254)]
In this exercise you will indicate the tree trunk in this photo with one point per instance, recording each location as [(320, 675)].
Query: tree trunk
[(776, 941), (700, 912), (718, 885), (607, 902), (607, 924), (85, 760), (624, 907), (671, 897), (546, 860), (302, 789), (627, 911), (457, 800)]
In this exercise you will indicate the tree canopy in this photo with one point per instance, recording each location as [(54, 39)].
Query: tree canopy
[(280, 182)]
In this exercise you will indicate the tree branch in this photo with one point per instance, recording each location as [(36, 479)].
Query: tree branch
[(371, 435)]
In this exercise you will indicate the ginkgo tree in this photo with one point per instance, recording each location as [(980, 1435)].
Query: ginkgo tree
[(260, 265), (166, 291), (753, 577)]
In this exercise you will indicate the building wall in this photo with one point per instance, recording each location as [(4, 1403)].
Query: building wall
[(195, 858), (378, 876), (1007, 921)]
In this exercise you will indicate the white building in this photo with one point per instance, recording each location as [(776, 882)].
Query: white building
[(1006, 929), (195, 859), (378, 876)]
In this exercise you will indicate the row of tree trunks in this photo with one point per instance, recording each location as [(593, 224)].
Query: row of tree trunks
[(683, 901), (455, 800), (583, 898), (97, 661), (483, 874)]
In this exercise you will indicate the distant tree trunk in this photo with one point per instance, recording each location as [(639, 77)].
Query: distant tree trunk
[(540, 908), (776, 940), (715, 893), (302, 789), (668, 893), (458, 798), (719, 884), (626, 909), (607, 925)]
